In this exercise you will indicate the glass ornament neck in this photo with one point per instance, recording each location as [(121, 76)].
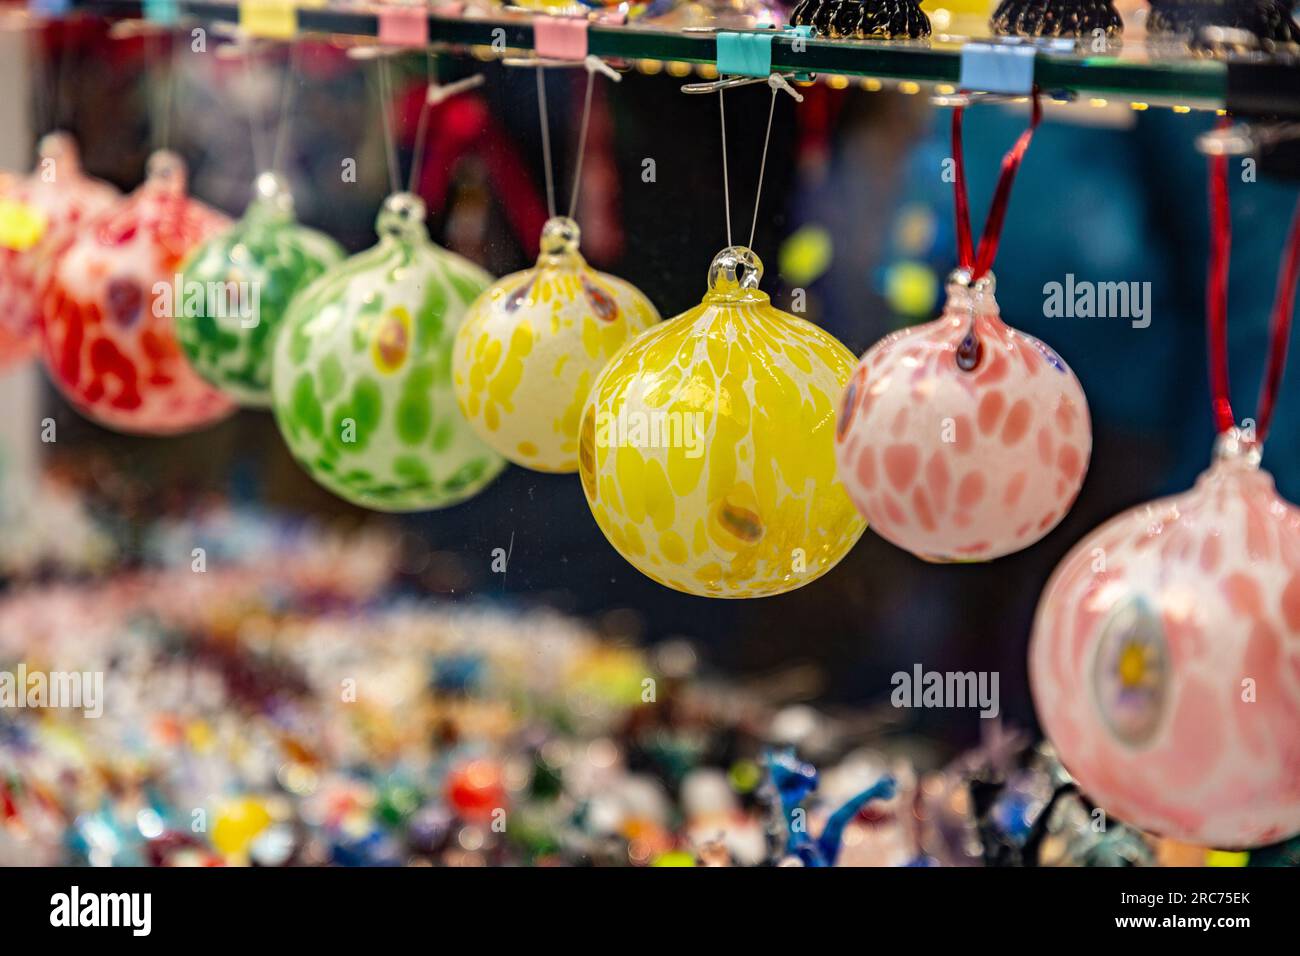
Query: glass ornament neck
[(165, 173), (968, 301), (272, 199), (61, 148), (1238, 448), (734, 277), (402, 218), (561, 238), (974, 296)]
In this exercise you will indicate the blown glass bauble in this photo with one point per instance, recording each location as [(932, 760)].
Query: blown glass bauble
[(532, 345), (362, 374), (706, 449), (1165, 660), (238, 285), (109, 311), (963, 439), (40, 215)]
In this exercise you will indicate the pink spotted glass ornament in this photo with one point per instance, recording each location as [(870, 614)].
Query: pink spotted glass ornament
[(1165, 660), (109, 312), (40, 215), (963, 439), (1165, 657)]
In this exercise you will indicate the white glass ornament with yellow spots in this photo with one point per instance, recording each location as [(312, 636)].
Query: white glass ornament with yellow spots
[(707, 447), (532, 345)]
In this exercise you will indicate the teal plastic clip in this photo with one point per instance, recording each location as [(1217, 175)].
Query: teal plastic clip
[(750, 54), (745, 54), (164, 12)]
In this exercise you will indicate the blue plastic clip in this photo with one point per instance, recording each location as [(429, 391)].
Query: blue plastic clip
[(998, 68), (49, 8)]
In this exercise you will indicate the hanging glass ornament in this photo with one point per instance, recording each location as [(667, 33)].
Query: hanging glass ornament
[(40, 215), (533, 343), (362, 372), (706, 451), (243, 281), (1159, 658), (108, 314), (964, 439), (1164, 660)]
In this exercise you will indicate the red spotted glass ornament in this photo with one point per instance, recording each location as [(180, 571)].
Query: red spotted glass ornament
[(109, 312), (965, 439), (40, 215), (1165, 657), (1165, 666)]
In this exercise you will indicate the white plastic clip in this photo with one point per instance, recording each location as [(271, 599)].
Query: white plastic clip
[(777, 81), (591, 63), (436, 94), (595, 64), (1245, 139)]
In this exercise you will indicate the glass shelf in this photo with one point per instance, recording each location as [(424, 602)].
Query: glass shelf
[(1136, 72)]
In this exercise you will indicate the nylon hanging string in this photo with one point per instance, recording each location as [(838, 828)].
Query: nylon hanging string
[(1216, 307), (421, 127), (161, 115), (390, 146), (546, 142), (762, 167), (979, 260), (582, 142), (726, 187), (255, 132), (284, 121)]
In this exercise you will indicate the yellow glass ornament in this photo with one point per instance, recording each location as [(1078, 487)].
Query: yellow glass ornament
[(532, 345), (707, 450)]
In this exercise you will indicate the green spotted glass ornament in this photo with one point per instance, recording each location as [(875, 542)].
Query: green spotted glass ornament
[(362, 372), (233, 290)]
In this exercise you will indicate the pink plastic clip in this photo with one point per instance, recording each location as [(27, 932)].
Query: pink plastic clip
[(560, 38), (401, 25), (615, 17), (453, 8)]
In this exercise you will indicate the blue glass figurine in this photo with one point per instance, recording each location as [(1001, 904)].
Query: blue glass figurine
[(794, 780)]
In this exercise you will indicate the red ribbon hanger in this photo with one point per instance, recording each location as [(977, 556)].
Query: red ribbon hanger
[(978, 262), (1216, 307)]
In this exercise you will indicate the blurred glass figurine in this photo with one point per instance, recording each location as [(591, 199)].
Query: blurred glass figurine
[(1057, 18), (793, 781), (863, 19)]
